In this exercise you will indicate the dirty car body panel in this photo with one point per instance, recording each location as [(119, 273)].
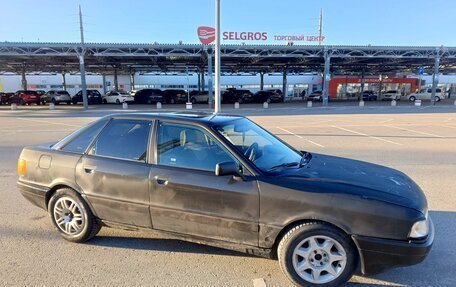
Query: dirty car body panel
[(250, 211)]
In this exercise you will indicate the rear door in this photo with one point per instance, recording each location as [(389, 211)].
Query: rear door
[(114, 172), (188, 198)]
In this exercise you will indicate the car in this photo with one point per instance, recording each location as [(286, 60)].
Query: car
[(148, 96), (56, 97), (93, 97), (369, 95), (426, 94), (232, 95), (267, 96), (117, 97), (316, 96), (391, 95), (132, 93), (4, 98), (25, 97), (222, 180), (40, 92), (200, 97), (175, 96)]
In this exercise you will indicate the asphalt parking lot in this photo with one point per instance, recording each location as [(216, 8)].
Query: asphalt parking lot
[(421, 141)]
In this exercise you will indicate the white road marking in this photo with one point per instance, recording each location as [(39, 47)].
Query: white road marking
[(48, 122), (312, 142), (387, 121), (366, 135), (259, 282), (414, 131)]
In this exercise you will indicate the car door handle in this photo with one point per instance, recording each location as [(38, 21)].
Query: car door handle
[(89, 168), (161, 181)]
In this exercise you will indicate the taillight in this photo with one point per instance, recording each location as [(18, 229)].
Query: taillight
[(21, 166)]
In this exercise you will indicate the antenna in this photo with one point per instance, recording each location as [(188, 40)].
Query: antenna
[(320, 26)]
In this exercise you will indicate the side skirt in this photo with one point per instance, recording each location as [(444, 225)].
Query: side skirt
[(257, 251)]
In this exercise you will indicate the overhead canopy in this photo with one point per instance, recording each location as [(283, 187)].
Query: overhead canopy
[(129, 58)]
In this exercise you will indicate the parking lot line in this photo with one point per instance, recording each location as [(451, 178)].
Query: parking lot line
[(366, 135), (48, 122), (312, 142), (259, 282), (414, 131)]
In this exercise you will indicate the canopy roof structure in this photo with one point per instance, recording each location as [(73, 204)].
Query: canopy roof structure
[(177, 58)]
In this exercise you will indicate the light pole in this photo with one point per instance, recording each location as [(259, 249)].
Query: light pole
[(217, 57)]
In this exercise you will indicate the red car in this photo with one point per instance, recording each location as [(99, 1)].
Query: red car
[(23, 97), (4, 98)]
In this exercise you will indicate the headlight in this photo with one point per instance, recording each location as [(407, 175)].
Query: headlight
[(420, 228)]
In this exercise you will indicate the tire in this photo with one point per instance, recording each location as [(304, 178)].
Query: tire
[(193, 100), (21, 102), (437, 98), (38, 103), (68, 102), (105, 101), (172, 101), (412, 98), (318, 259), (75, 102), (118, 102), (83, 229)]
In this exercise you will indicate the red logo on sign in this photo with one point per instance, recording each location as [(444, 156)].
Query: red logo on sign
[(206, 34)]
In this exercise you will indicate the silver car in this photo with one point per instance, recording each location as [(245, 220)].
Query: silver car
[(56, 97)]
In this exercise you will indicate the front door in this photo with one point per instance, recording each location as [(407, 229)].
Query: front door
[(114, 173), (188, 198)]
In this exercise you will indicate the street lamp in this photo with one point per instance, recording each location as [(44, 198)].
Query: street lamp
[(217, 57)]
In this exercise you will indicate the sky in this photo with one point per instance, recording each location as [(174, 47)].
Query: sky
[(345, 22)]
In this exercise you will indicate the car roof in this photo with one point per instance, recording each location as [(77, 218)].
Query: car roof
[(191, 117)]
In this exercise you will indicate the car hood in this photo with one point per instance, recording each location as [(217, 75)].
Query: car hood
[(371, 181)]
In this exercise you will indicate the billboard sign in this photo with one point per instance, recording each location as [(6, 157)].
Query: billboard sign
[(206, 36)]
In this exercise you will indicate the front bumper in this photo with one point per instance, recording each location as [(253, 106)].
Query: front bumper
[(377, 255)]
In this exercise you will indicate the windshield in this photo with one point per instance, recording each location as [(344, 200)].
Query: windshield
[(263, 149)]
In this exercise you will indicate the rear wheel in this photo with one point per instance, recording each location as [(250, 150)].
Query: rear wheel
[(193, 100), (437, 99), (21, 102), (72, 217), (118, 102), (412, 98), (316, 254)]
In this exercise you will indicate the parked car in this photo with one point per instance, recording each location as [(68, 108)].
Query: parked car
[(56, 97), (232, 95), (93, 97), (200, 97), (133, 92), (316, 96), (4, 98), (426, 94), (25, 97), (369, 95), (40, 92), (391, 95), (148, 96), (117, 97), (222, 180), (267, 96), (175, 96)]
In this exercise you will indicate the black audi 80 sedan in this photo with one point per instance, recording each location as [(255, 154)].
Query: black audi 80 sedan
[(224, 181)]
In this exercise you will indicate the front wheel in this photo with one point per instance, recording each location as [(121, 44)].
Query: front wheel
[(437, 99), (412, 98), (72, 217), (316, 254)]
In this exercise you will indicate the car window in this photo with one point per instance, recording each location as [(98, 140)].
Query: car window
[(189, 147), (124, 139), (438, 90), (83, 137)]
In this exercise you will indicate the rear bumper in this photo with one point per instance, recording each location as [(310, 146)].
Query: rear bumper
[(34, 193), (377, 255)]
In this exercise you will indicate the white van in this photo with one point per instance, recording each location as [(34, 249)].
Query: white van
[(426, 94)]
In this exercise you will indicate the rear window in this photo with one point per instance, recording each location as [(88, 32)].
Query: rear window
[(62, 93), (83, 137)]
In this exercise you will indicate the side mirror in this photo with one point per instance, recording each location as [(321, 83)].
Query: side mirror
[(227, 168)]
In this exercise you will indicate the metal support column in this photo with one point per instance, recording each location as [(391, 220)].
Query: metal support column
[(116, 82), (209, 75), (435, 79), (24, 79), (199, 82), (83, 81), (284, 83), (326, 78), (104, 83), (362, 86), (217, 57), (64, 81), (132, 81), (203, 82), (261, 80)]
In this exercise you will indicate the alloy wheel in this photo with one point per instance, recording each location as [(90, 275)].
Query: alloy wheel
[(68, 215), (319, 259)]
